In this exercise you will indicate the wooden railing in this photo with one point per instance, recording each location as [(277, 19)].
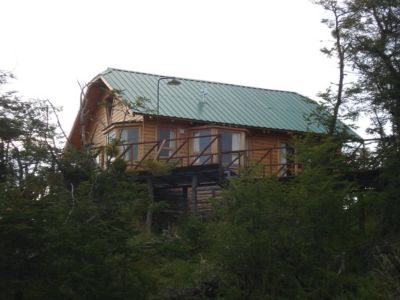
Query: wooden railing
[(260, 161)]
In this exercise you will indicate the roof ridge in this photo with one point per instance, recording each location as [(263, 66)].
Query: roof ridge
[(109, 69)]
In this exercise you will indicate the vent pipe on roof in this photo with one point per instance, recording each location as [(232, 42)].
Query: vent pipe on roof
[(203, 93)]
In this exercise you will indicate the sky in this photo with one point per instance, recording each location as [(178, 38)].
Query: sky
[(51, 46)]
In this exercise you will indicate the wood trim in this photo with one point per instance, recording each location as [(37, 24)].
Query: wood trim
[(127, 124), (213, 126), (105, 82)]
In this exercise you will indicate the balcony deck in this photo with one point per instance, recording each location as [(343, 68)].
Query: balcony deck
[(182, 159), (188, 172)]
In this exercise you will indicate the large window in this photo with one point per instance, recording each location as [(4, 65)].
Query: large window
[(286, 159), (230, 143), (127, 137), (201, 140), (166, 134), (111, 136), (109, 108)]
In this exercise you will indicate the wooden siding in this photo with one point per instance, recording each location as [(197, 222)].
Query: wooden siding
[(94, 133), (260, 143), (98, 125), (177, 203), (204, 196)]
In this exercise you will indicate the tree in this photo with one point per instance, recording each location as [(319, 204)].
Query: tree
[(372, 30), (337, 95), (29, 141), (67, 228)]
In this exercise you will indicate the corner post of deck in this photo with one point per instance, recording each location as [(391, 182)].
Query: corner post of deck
[(195, 183), (185, 203), (149, 214), (220, 158)]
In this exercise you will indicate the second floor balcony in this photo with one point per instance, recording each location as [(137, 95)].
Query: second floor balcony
[(225, 150)]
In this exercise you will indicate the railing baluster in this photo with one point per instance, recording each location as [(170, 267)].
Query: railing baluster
[(160, 148), (144, 157), (178, 149)]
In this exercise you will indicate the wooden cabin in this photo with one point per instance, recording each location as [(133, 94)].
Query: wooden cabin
[(204, 131)]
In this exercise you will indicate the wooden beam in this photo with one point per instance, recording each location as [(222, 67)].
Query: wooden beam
[(185, 203), (177, 149), (144, 157), (149, 214), (204, 150), (195, 183), (159, 150)]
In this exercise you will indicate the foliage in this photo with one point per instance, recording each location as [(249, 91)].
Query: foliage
[(373, 32), (280, 240), (65, 226), (336, 97), (366, 34), (159, 167)]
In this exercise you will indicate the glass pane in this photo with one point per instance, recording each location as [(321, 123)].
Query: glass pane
[(133, 135), (123, 138), (236, 141), (201, 140), (110, 136), (167, 134), (286, 153), (226, 142), (230, 142), (204, 142), (165, 153), (282, 154), (128, 137)]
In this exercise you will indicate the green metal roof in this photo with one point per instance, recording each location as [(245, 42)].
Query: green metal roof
[(223, 103)]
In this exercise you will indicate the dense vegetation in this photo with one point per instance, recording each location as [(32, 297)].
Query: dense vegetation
[(72, 231)]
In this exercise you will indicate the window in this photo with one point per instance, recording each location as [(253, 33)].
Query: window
[(128, 138), (98, 156), (167, 134), (230, 142), (111, 137), (286, 153), (109, 106), (202, 140)]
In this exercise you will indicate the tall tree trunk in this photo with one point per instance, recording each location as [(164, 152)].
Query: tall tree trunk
[(341, 56)]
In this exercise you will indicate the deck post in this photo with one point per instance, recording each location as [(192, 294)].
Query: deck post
[(195, 183), (220, 158), (185, 203), (149, 214)]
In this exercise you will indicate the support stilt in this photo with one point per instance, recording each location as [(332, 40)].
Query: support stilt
[(195, 183)]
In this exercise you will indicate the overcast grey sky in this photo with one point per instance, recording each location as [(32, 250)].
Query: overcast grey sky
[(51, 45)]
